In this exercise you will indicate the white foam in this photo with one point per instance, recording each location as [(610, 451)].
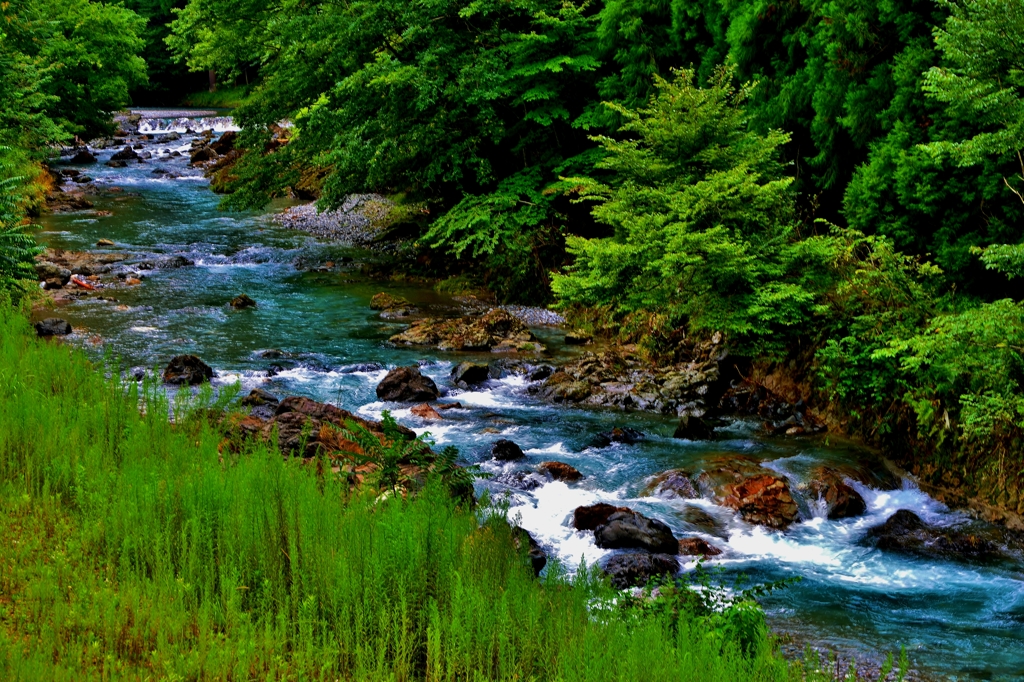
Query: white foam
[(547, 515), (553, 449), (487, 399), (144, 330)]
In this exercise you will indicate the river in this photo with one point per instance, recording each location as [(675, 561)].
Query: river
[(957, 620)]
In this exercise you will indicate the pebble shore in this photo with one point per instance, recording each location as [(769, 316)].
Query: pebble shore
[(349, 223)]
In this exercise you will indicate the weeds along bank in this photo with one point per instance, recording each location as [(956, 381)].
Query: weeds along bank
[(134, 548)]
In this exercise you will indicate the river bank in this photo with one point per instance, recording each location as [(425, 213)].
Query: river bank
[(313, 333)]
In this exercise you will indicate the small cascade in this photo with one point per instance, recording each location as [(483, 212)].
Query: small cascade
[(186, 124)]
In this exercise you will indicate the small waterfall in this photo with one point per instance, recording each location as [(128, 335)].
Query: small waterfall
[(184, 124)]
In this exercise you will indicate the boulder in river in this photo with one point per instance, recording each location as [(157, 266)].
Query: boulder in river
[(560, 471), (840, 499), (594, 515), (202, 155), (53, 326), (82, 157), (407, 385), (425, 411), (225, 143), (505, 450), (907, 533), (633, 530), (187, 370), (673, 483), (623, 434), (169, 263), (242, 301), (761, 496), (258, 397), (126, 154), (496, 330), (636, 569), (104, 242), (469, 373), (693, 428), (697, 547)]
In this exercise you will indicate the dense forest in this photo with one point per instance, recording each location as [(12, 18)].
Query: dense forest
[(834, 187)]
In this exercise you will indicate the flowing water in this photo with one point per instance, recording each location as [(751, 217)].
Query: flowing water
[(956, 620)]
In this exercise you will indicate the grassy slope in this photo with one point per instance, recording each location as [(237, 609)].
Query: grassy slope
[(132, 550)]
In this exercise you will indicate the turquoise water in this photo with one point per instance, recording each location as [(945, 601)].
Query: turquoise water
[(956, 621)]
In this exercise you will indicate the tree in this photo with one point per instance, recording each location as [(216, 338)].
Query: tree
[(703, 217)]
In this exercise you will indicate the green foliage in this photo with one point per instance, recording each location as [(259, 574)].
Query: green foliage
[(70, 64), (703, 220), (134, 547), (17, 249)]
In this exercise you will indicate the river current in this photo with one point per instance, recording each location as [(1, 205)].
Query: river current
[(957, 621)]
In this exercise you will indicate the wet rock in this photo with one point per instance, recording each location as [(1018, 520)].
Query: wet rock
[(82, 157), (761, 496), (47, 271), (578, 338), (637, 569), (496, 330), (53, 284), (104, 242), (188, 370), (633, 530), (242, 301), (907, 533), (362, 367), (169, 263), (258, 397), (202, 155), (594, 515), (448, 406), (541, 373), (624, 379), (560, 471), (60, 201), (704, 522), (116, 164), (225, 143), (842, 501), (384, 301), (425, 411), (470, 373), (697, 547), (519, 480), (406, 384), (53, 326), (126, 154), (623, 434), (673, 483), (764, 500), (505, 450), (693, 428), (538, 560)]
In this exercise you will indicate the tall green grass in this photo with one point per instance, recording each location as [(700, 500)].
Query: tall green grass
[(133, 549)]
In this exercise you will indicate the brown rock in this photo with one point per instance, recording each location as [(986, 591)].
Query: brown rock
[(763, 499), (496, 330), (842, 500), (104, 242), (407, 384), (697, 547), (425, 411), (242, 301), (592, 516), (560, 471), (673, 483)]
